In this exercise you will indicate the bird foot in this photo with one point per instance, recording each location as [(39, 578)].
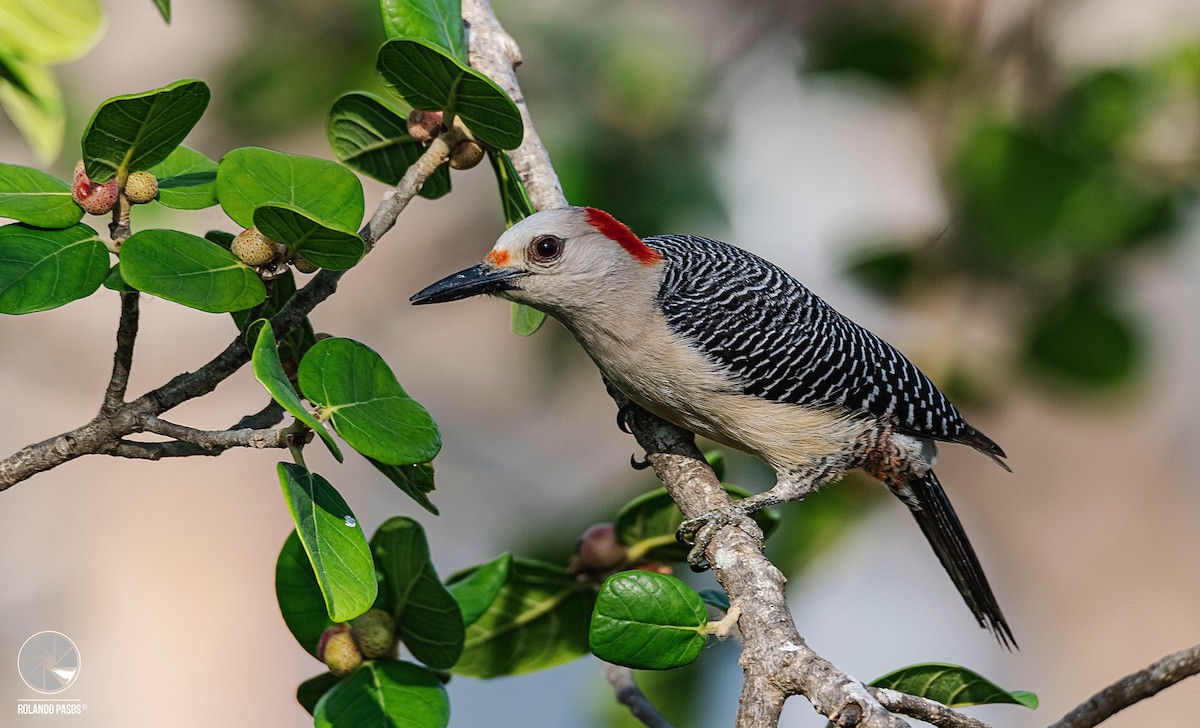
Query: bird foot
[(700, 531)]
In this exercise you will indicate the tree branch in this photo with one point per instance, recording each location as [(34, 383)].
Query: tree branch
[(627, 693), (127, 329), (220, 439), (924, 709), (1133, 688), (106, 433)]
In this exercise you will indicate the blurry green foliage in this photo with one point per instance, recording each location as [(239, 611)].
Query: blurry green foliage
[(1055, 181)]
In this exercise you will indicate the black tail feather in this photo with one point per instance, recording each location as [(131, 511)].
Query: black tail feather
[(945, 533)]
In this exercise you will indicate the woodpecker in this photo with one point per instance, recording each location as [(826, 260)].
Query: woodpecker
[(729, 346)]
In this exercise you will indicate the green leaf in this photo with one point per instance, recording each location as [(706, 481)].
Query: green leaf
[(647, 621), (190, 271), (952, 685), (334, 541), (50, 31), (187, 180), (44, 269), (437, 21), (36, 198), (31, 96), (325, 191), (715, 598), (885, 271), (164, 9), (647, 524), (428, 619), (321, 246), (268, 370), (526, 321), (428, 78), (415, 480), (476, 589), (387, 694), (137, 131), (301, 601), (361, 398), (114, 282), (1081, 339), (538, 620), (309, 692), (370, 135)]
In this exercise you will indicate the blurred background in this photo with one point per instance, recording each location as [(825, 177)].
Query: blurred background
[(1004, 190)]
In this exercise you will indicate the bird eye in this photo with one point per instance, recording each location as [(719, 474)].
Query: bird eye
[(546, 249)]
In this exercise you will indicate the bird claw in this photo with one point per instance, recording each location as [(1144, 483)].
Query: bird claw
[(623, 413), (700, 531)]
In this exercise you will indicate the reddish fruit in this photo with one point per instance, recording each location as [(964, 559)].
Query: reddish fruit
[(141, 187), (93, 198), (424, 126), (599, 549), (466, 154)]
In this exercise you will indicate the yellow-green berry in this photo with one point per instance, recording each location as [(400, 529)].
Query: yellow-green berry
[(141, 187), (374, 631), (338, 651), (301, 264), (253, 248)]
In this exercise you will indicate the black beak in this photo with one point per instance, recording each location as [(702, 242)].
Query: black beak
[(473, 281)]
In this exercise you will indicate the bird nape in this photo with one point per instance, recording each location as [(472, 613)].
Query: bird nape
[(731, 347)]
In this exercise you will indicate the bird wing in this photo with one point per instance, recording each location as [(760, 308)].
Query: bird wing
[(782, 342)]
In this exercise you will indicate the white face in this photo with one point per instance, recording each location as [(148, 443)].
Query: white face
[(564, 255)]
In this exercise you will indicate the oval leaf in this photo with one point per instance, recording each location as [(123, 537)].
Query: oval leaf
[(437, 21), (296, 343), (333, 540), (428, 78), (647, 524), (428, 619), (44, 269), (30, 95), (187, 180), (538, 620), (268, 370), (415, 480), (952, 685), (137, 131), (321, 246), (325, 191), (189, 270), (385, 693), (36, 198), (371, 136), (361, 398), (299, 595), (476, 589), (647, 621), (1083, 340), (309, 692)]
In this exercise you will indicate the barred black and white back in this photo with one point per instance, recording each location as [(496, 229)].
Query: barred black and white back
[(782, 342)]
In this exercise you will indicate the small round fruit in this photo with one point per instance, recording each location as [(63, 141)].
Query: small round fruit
[(253, 248), (466, 154), (93, 198), (374, 632), (141, 187), (424, 126), (301, 264), (599, 549), (340, 654)]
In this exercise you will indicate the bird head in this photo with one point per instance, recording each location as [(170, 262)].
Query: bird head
[(553, 260)]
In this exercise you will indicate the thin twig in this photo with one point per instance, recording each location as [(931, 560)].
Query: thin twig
[(627, 693), (127, 329), (1133, 688), (214, 439)]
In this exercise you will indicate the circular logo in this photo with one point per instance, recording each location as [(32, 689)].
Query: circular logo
[(48, 662)]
